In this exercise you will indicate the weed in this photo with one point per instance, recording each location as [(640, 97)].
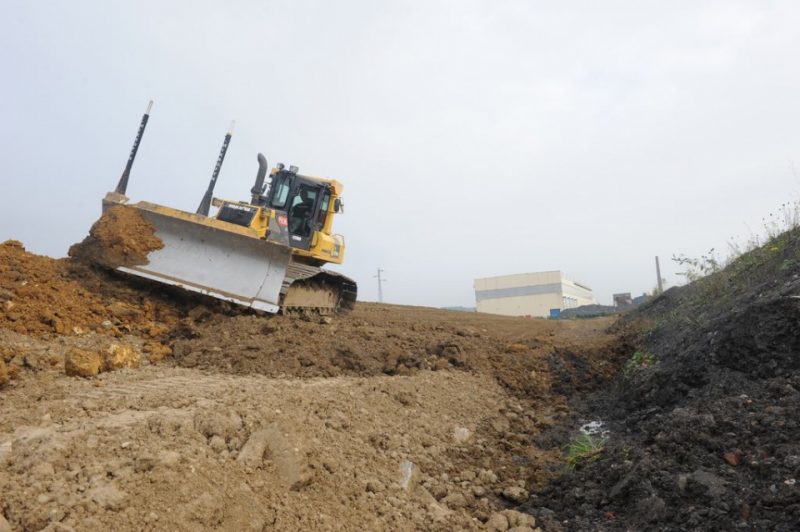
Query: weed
[(698, 268), (770, 239), (584, 449), (640, 359), (627, 452)]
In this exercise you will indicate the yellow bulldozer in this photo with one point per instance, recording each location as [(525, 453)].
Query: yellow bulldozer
[(266, 253)]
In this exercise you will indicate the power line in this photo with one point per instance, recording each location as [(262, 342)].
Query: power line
[(381, 280)]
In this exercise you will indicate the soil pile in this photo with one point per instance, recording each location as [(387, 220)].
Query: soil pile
[(174, 449), (395, 340), (387, 418), (40, 295), (705, 432), (121, 237), (79, 306)]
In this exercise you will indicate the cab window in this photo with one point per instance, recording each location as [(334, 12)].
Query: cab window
[(280, 194), (302, 211), (323, 208)]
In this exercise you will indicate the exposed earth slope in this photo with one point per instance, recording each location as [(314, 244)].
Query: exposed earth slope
[(131, 406), (704, 420), (184, 413)]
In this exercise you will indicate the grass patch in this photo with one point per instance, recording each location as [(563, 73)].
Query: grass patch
[(585, 449), (639, 360)]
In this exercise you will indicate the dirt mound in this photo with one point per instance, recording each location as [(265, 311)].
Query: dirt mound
[(390, 417), (80, 306), (121, 237), (704, 426), (41, 295), (366, 343)]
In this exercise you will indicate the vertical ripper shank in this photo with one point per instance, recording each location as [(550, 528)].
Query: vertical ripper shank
[(205, 203), (122, 186)]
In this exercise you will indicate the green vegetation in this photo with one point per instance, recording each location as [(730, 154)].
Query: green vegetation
[(771, 240), (698, 268), (639, 360), (584, 449)]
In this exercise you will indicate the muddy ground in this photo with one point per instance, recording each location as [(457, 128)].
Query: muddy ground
[(217, 418)]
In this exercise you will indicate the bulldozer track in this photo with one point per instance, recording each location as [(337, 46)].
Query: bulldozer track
[(309, 290)]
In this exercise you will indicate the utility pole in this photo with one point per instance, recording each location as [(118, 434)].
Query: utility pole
[(658, 275), (381, 280)]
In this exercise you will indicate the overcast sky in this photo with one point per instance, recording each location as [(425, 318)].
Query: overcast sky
[(474, 138)]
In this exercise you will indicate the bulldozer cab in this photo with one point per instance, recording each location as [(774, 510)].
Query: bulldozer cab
[(305, 201)]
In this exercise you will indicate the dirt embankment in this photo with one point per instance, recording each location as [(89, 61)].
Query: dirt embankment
[(392, 340), (704, 425), (390, 417), (41, 295), (121, 237)]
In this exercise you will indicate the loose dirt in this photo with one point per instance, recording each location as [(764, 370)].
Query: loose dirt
[(387, 418), (121, 237), (396, 417), (706, 434)]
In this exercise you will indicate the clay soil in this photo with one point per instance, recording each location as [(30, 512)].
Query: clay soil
[(387, 418), (398, 418), (121, 237)]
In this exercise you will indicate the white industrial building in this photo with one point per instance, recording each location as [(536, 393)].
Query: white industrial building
[(540, 294)]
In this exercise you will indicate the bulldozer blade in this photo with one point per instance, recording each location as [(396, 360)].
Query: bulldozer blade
[(202, 255)]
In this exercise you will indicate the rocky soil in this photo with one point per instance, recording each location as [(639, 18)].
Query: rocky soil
[(704, 424), (130, 406), (121, 237)]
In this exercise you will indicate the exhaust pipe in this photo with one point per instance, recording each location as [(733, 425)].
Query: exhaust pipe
[(258, 189), (205, 203), (122, 186)]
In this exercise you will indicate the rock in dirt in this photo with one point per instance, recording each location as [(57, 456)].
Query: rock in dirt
[(290, 467), (497, 523), (218, 424), (713, 485), (409, 473), (156, 352), (4, 526), (169, 458), (82, 363), (518, 519), (374, 485), (206, 510), (733, 457), (108, 496), (651, 509), (124, 312), (121, 237), (461, 434), (57, 527), (118, 356), (455, 500), (515, 494), (252, 452), (438, 513), (4, 378)]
